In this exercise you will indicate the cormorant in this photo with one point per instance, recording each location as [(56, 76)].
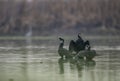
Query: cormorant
[(87, 53), (62, 51), (78, 45)]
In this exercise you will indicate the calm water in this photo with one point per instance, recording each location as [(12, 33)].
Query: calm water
[(38, 60)]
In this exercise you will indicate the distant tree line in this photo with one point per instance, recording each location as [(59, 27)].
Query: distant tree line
[(54, 16)]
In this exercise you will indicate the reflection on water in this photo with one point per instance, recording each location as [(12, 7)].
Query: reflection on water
[(45, 65), (79, 65), (103, 68)]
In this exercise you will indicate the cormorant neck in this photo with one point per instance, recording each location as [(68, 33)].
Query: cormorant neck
[(79, 36), (61, 44)]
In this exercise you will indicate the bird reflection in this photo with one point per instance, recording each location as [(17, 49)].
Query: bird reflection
[(61, 65), (78, 65), (11, 79), (90, 63), (79, 69)]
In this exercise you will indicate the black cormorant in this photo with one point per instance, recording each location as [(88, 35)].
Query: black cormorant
[(62, 51), (78, 45), (87, 53)]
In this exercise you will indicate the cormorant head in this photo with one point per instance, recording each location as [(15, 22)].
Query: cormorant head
[(88, 47), (87, 42), (61, 39)]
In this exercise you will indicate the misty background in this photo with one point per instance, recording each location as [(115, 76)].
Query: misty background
[(54, 17), (29, 32)]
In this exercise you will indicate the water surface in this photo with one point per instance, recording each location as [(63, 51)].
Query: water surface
[(38, 60)]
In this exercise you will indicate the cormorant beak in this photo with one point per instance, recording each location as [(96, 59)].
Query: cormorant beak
[(60, 38)]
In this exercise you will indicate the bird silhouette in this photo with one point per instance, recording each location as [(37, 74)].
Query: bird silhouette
[(88, 54), (62, 51), (78, 45)]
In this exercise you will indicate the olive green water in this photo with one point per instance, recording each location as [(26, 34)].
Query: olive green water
[(38, 60)]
